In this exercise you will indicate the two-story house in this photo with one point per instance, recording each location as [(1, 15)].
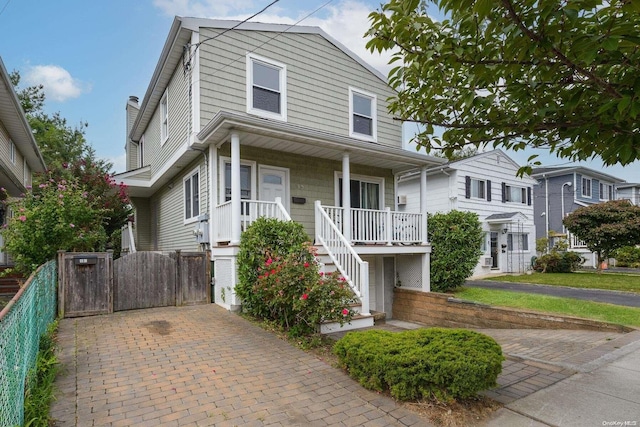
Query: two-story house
[(279, 121), (563, 189), (19, 153), (486, 184), (628, 191)]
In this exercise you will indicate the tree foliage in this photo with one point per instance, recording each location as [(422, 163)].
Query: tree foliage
[(455, 239), (544, 74), (605, 227)]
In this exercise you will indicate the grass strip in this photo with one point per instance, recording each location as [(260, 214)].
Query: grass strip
[(620, 315), (587, 280)]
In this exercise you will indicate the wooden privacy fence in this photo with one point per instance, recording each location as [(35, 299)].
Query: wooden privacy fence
[(93, 283)]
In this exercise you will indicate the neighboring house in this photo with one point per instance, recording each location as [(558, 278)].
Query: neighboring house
[(628, 191), (563, 189), (486, 184), (278, 121), (19, 153)]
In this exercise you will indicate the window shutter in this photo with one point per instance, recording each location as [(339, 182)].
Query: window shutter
[(467, 187), (529, 196), (504, 192), (488, 190)]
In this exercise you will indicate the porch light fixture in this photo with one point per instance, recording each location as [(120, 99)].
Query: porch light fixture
[(505, 229)]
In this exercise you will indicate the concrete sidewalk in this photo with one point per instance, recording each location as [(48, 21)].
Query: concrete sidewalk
[(607, 395)]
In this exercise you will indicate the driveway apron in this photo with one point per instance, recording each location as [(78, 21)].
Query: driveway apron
[(202, 365)]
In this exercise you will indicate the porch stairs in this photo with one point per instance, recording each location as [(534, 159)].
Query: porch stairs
[(358, 321), (9, 283)]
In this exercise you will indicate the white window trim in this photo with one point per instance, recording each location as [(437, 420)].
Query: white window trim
[(283, 88), (374, 115), (609, 188), (590, 187), (12, 152), (188, 176), (164, 118), (508, 195), (223, 184), (471, 196), (363, 178), (141, 152)]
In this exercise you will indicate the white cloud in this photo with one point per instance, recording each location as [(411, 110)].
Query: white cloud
[(119, 162), (203, 8), (58, 84)]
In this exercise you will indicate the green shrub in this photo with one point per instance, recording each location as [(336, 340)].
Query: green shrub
[(558, 262), (417, 364), (455, 239), (279, 279), (628, 256), (39, 387)]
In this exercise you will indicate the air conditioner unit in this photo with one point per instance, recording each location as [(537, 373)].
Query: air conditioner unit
[(487, 261), (402, 199)]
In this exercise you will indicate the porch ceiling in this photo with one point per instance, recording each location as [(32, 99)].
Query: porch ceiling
[(273, 135)]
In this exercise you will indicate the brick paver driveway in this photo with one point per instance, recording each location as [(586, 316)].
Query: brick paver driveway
[(201, 365)]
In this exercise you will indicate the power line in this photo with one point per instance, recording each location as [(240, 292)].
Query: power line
[(5, 6)]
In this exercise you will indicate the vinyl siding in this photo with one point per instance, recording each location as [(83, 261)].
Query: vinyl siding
[(172, 232), (311, 178), (318, 79), (437, 194), (142, 223), (15, 169), (132, 155), (179, 118)]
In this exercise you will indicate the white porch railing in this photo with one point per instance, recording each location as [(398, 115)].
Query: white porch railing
[(351, 266), (127, 240), (380, 226), (576, 243), (250, 211)]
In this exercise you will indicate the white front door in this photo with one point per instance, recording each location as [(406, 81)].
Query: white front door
[(274, 182)]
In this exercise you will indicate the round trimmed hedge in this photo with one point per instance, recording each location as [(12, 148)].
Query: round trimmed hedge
[(422, 363)]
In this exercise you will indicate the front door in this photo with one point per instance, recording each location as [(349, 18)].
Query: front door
[(494, 249), (274, 183)]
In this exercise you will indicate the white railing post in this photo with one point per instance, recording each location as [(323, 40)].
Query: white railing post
[(423, 205), (132, 242), (388, 226), (235, 189), (318, 208)]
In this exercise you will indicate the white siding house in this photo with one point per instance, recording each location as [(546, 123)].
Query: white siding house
[(269, 120), (487, 185)]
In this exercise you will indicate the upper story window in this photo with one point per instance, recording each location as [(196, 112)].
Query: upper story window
[(515, 194), (477, 188), (12, 152), (164, 118), (362, 115), (606, 191), (141, 152), (586, 187), (192, 196), (266, 88)]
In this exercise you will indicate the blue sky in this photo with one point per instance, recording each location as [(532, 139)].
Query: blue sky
[(92, 55)]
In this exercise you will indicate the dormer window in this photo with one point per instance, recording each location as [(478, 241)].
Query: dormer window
[(362, 115), (266, 88)]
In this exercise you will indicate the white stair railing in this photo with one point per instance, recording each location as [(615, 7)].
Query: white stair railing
[(349, 264)]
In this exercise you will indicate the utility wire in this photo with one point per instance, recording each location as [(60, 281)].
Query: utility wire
[(5, 6)]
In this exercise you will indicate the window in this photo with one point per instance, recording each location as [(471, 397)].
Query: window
[(483, 243), (192, 196), (164, 118), (141, 152), (515, 194), (518, 241), (606, 192), (362, 114), (245, 182), (12, 152), (266, 88), (478, 188), (364, 194), (586, 187)]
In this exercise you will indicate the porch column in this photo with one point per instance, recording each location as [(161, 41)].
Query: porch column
[(346, 197), (235, 189), (423, 203), (212, 197)]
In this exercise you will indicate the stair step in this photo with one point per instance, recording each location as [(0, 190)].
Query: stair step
[(357, 322)]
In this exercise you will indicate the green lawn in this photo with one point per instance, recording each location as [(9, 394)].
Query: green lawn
[(620, 315), (591, 280)]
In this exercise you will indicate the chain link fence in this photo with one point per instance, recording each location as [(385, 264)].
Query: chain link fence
[(22, 322)]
